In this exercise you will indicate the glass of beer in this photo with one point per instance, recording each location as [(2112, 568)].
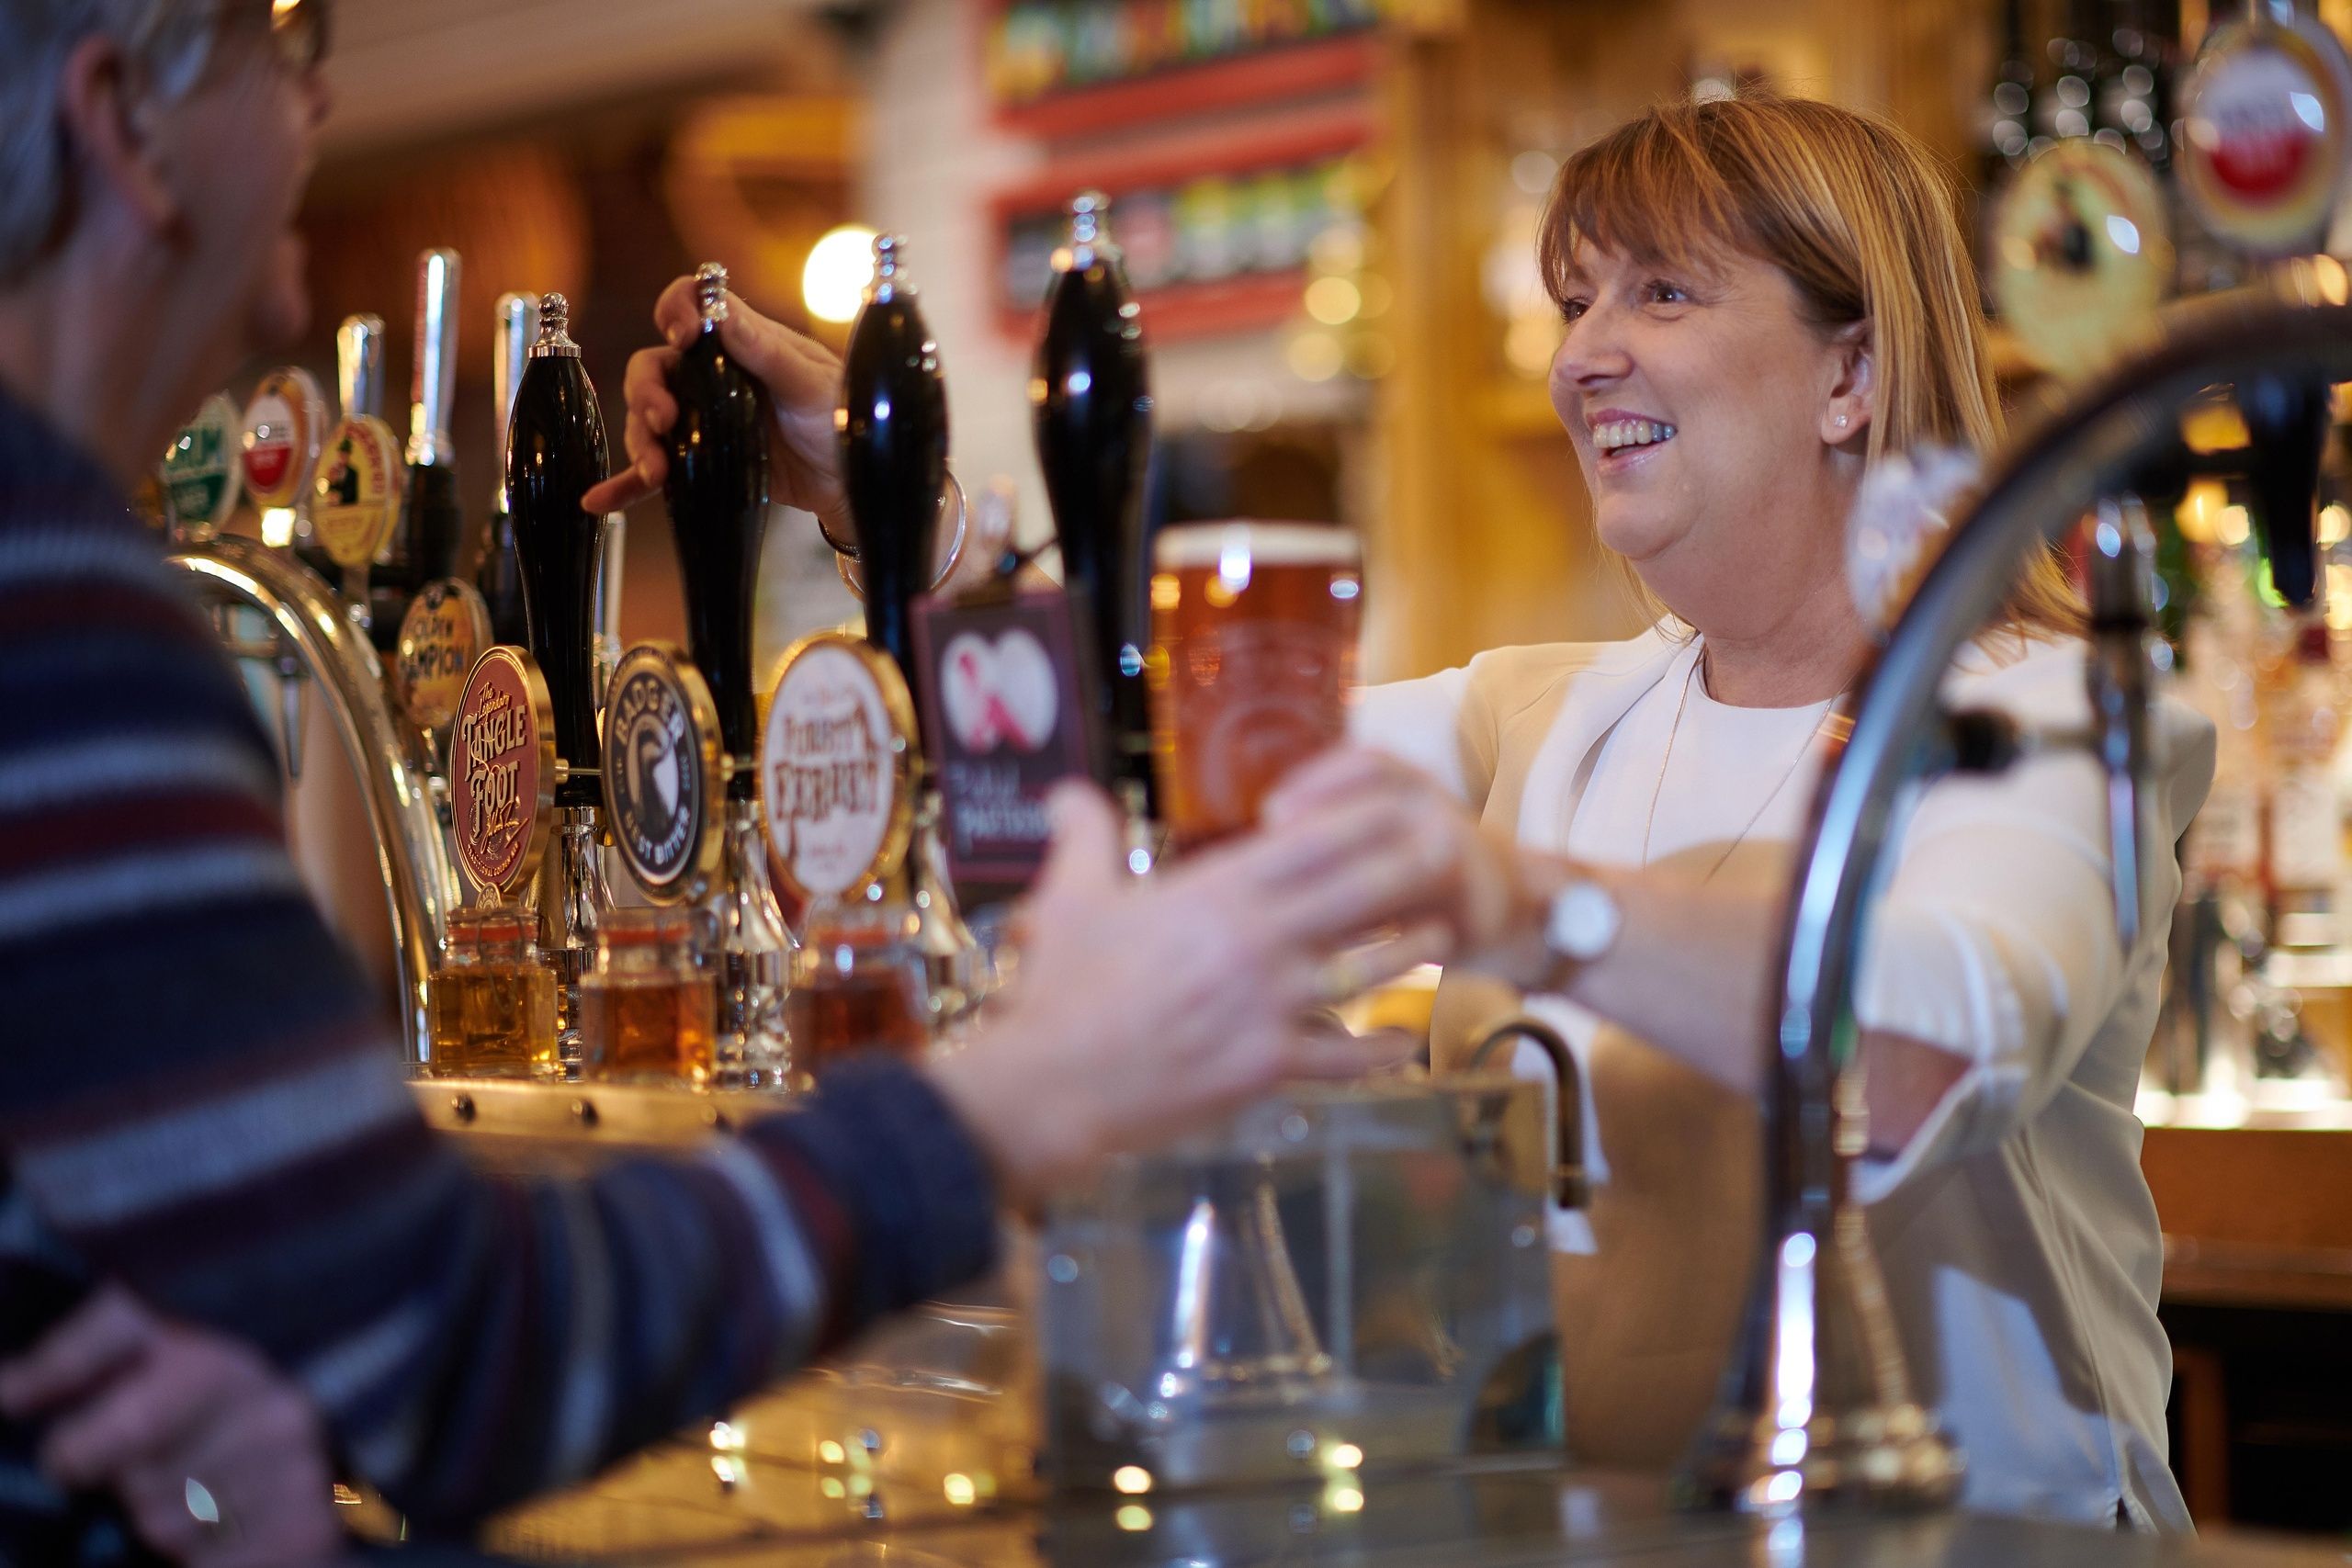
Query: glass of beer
[(1253, 655), (858, 984)]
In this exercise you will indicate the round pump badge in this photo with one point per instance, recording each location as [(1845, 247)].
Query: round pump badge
[(283, 422), (200, 468), (356, 499), (2263, 153), (446, 628), (660, 771), (502, 769), (837, 766), (2081, 254)]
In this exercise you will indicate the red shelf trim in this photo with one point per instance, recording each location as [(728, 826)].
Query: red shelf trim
[(1294, 71), (1270, 141), (1189, 309), (1255, 303)]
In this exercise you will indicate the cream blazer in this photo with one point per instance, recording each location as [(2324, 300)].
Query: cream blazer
[(2018, 1236)]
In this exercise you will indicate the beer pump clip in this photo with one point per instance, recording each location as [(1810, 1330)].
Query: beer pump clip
[(356, 499), (503, 773), (443, 635), (2080, 254), (662, 772), (2265, 112), (838, 769), (1009, 710), (284, 420), (200, 471)]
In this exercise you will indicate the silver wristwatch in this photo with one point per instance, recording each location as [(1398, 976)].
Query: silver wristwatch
[(1584, 920)]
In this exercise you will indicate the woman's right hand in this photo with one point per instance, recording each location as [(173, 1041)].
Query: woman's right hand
[(1143, 1007), (1491, 897), (803, 378)]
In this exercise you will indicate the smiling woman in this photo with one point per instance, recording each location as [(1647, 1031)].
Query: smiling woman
[(1762, 298), (1842, 224)]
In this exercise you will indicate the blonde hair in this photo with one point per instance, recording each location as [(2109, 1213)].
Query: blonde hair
[(1859, 218)]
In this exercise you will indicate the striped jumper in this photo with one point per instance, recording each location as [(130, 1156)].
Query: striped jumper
[(199, 1096)]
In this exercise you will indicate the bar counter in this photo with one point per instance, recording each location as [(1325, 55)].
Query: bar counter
[(918, 1445), (659, 1510)]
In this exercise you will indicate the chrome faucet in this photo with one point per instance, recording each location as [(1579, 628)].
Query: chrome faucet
[(313, 637), (1816, 1406)]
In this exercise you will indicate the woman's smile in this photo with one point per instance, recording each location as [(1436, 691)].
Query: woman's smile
[(1622, 441)]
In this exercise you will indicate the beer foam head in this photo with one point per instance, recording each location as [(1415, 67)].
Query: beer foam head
[(1194, 546)]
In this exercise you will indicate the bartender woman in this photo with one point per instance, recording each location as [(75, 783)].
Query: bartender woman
[(1763, 298)]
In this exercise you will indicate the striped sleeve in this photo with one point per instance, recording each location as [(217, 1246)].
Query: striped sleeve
[(197, 1095)]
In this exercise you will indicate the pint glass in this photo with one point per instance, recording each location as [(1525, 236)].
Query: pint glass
[(1253, 655)]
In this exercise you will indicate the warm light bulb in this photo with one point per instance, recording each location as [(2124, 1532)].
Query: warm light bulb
[(1132, 1479), (832, 284), (1333, 301)]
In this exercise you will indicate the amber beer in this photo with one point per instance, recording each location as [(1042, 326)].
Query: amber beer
[(857, 984), (1253, 655)]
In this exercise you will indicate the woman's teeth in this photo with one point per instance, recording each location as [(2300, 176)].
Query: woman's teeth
[(1620, 434)]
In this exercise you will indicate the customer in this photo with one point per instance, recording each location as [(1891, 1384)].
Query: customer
[(198, 1098)]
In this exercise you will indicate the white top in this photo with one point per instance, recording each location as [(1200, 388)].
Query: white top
[(2016, 1235)]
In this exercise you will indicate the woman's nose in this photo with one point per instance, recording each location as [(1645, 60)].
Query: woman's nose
[(1593, 353)]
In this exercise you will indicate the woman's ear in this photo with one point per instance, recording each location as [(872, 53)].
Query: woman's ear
[(1854, 396), (109, 134)]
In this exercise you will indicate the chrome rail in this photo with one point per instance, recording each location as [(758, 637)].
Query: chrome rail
[(386, 754), (1816, 1406)]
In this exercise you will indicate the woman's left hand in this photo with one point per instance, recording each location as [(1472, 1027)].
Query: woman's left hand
[(1496, 919), (178, 1422)]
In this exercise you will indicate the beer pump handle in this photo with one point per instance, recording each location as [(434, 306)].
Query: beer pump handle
[(2121, 674), (2287, 424), (893, 428), (717, 490), (359, 365), (1090, 395)]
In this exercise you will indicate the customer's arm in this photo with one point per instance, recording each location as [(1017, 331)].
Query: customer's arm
[(199, 1100)]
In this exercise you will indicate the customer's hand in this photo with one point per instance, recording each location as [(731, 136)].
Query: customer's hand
[(1490, 895), (1143, 1007), (142, 1405), (803, 378)]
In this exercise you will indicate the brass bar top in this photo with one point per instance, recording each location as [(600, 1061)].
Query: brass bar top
[(659, 1510)]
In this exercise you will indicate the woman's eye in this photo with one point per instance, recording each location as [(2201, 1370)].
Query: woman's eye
[(1660, 292), (1570, 309)]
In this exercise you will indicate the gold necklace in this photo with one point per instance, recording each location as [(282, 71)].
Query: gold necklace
[(1649, 822)]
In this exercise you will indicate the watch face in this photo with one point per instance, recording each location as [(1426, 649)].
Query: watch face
[(1583, 921)]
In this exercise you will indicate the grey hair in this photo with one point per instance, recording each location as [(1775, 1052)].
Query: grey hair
[(167, 42)]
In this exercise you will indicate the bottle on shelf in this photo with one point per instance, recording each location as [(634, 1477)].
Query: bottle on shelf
[(2006, 113), (1090, 395), (500, 574), (2075, 55)]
